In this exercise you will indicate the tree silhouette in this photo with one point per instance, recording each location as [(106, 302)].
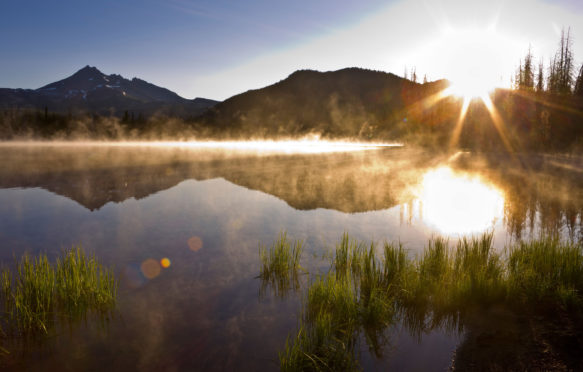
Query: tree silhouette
[(561, 66), (540, 77), (525, 74)]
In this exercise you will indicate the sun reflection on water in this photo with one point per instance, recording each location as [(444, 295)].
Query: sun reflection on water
[(459, 203)]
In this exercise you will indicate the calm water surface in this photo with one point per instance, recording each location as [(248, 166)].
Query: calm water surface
[(207, 210)]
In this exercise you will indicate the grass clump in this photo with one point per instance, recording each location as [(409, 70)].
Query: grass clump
[(325, 340), (280, 264), (546, 270), (353, 298), (39, 292), (363, 294)]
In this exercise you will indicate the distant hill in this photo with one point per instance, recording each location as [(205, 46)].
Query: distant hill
[(91, 91), (347, 102)]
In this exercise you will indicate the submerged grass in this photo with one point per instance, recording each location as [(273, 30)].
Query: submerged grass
[(280, 265), (363, 294), (39, 292)]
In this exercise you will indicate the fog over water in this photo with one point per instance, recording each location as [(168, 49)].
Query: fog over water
[(182, 224)]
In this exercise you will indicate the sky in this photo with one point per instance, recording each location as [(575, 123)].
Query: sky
[(219, 48)]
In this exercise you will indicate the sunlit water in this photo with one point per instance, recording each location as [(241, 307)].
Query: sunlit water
[(459, 203), (182, 229)]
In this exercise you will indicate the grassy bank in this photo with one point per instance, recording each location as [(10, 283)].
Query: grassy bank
[(369, 288)]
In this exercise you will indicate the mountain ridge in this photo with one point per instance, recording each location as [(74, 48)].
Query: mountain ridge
[(347, 102), (90, 90)]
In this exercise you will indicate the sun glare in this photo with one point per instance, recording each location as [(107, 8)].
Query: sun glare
[(473, 60), (459, 204)]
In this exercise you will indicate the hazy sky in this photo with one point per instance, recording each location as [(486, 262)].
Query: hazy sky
[(217, 48)]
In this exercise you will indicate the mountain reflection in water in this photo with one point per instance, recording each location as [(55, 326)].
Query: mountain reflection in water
[(194, 218), (532, 193)]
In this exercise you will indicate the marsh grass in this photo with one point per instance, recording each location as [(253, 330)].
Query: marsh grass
[(363, 295), (280, 265), (546, 270), (39, 294)]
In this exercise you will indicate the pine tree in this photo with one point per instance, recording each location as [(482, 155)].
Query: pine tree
[(561, 66), (540, 77), (528, 73), (525, 73), (517, 83)]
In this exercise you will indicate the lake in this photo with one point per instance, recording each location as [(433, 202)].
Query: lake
[(182, 224)]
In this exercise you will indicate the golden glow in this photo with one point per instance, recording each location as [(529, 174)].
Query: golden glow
[(459, 124), (459, 204), (496, 118), (498, 122), (299, 146), (469, 88)]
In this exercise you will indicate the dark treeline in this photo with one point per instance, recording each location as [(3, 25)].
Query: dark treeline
[(530, 121), (543, 111), (30, 124)]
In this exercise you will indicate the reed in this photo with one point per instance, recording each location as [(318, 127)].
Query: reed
[(326, 336), (39, 292), (319, 347), (82, 283), (363, 294), (280, 264), (546, 270)]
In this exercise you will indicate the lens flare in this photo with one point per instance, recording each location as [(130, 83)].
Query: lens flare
[(195, 243), (150, 268), (165, 262)]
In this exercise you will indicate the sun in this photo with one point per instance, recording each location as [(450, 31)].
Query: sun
[(474, 60)]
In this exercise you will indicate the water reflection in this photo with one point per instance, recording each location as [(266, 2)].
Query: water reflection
[(96, 175), (207, 212), (457, 203)]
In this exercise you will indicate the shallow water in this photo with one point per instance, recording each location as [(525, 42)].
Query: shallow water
[(207, 210)]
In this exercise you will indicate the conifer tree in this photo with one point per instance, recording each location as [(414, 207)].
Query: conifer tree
[(525, 73), (560, 79), (528, 72), (540, 77)]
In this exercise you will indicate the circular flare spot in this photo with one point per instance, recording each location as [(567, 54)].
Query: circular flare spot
[(195, 243), (150, 268), (165, 262)]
